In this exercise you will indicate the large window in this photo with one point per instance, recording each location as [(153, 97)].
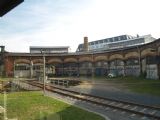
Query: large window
[(123, 37), (92, 43), (86, 64), (96, 42), (110, 40), (132, 62), (116, 39), (37, 67), (101, 41), (152, 60), (101, 64), (22, 67), (119, 62), (106, 40)]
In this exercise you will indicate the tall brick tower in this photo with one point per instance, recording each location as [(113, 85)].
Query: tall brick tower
[(85, 47)]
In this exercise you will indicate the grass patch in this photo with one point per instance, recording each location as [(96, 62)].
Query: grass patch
[(139, 85), (34, 106), (5, 79), (148, 88)]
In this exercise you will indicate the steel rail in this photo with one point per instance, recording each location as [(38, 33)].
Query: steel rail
[(84, 96), (104, 98)]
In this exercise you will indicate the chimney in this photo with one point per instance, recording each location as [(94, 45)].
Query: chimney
[(85, 45)]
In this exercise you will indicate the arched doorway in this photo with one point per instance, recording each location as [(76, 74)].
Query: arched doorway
[(101, 68)]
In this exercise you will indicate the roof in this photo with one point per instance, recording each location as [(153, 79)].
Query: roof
[(43, 47), (132, 38), (105, 38), (7, 5), (80, 53)]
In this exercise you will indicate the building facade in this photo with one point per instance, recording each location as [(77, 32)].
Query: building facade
[(49, 49), (136, 60), (117, 42)]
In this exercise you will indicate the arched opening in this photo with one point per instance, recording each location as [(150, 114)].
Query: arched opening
[(21, 70), (101, 68), (71, 69), (132, 67), (37, 69), (152, 67), (54, 69), (85, 68), (116, 67)]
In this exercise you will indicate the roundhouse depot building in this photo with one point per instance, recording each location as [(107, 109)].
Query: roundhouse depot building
[(143, 59)]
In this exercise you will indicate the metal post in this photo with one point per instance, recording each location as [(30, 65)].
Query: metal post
[(31, 69), (78, 68), (92, 67), (116, 68), (5, 106), (140, 64), (78, 65), (124, 63), (44, 73), (14, 69), (63, 68), (158, 63)]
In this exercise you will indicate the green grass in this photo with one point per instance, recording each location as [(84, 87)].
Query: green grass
[(34, 106), (5, 79), (152, 89), (139, 85)]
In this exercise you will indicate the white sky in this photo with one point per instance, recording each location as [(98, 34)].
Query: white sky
[(66, 22)]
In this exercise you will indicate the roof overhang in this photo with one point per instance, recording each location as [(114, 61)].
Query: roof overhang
[(7, 5)]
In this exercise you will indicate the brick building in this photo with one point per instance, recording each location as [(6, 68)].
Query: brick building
[(136, 60)]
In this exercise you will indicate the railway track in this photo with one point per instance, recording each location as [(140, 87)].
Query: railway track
[(151, 112)]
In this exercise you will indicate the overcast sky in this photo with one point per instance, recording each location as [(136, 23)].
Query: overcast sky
[(66, 22)]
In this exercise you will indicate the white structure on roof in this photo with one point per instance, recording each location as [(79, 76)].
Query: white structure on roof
[(117, 42), (49, 49)]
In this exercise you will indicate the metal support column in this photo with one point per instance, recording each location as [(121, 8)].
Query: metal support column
[(44, 70), (139, 59), (31, 69), (92, 66)]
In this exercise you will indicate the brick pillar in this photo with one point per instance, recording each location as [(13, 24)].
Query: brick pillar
[(9, 67)]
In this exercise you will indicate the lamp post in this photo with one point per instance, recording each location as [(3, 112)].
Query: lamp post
[(44, 71), (31, 66), (31, 69), (14, 68), (78, 67)]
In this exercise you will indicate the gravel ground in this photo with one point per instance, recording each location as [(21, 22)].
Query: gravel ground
[(108, 113)]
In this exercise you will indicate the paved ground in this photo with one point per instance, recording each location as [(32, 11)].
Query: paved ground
[(104, 89), (110, 90)]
